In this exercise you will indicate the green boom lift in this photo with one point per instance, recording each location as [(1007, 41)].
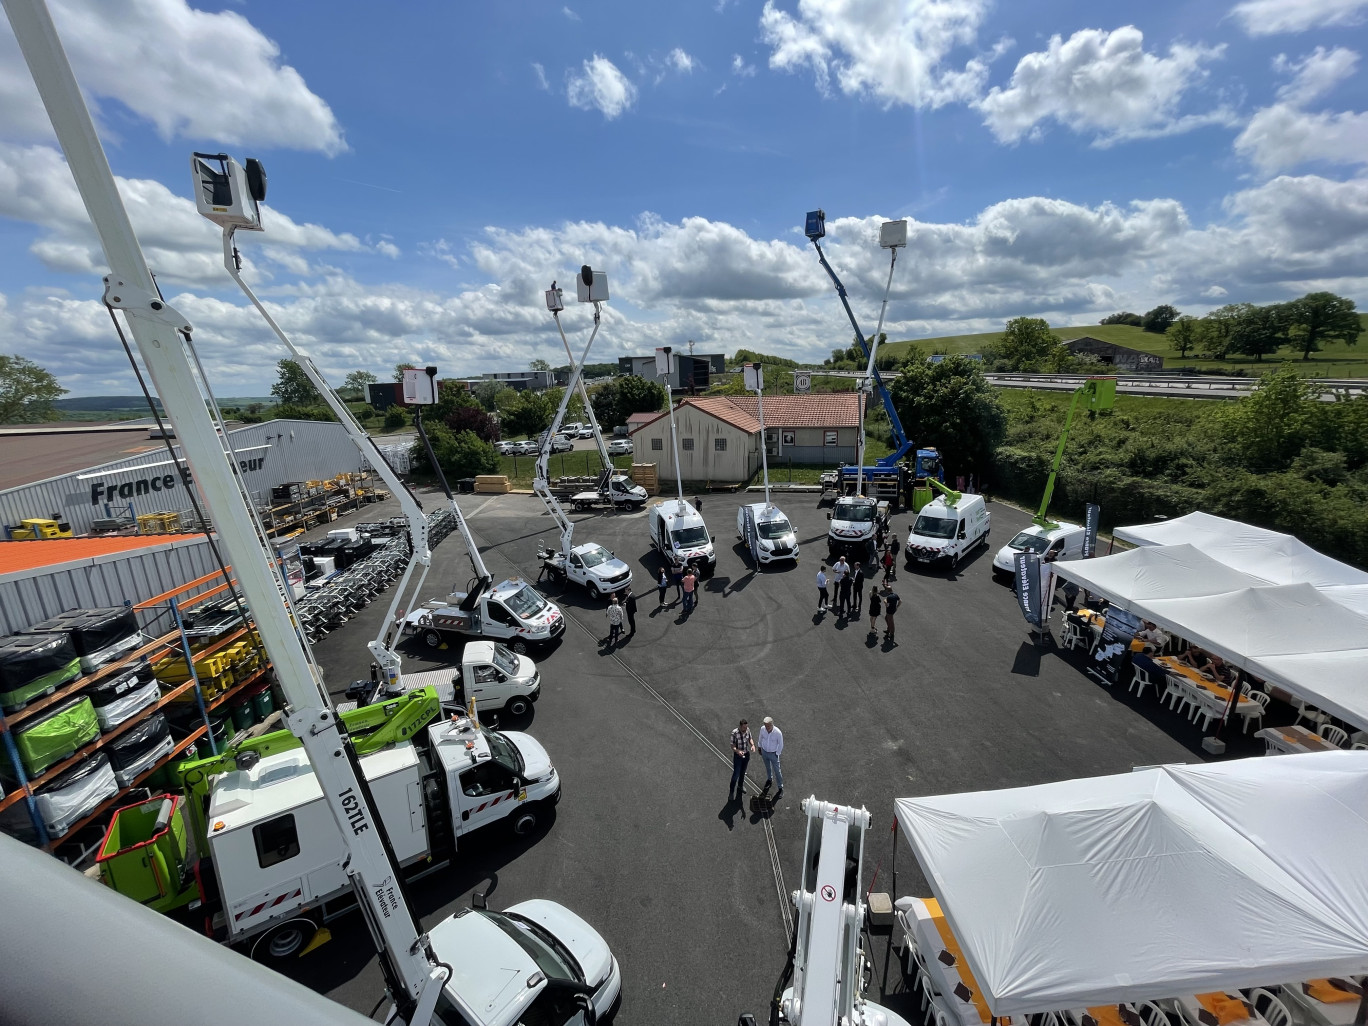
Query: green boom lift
[(1099, 394)]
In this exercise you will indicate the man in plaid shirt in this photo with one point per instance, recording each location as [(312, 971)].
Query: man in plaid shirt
[(742, 746)]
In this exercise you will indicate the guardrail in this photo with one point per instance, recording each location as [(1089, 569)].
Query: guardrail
[(1188, 386)]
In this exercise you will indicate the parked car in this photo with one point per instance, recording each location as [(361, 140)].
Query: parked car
[(586, 431), (508, 448), (562, 443), (620, 447), (527, 448)]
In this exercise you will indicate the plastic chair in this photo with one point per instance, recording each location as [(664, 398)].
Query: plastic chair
[(1142, 667), (1261, 699), (1173, 691), (1151, 1014), (1073, 632), (1310, 713), (1267, 1004), (1337, 736), (1359, 746)]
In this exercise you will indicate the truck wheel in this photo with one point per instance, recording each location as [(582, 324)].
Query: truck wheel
[(525, 820), (518, 707), (284, 941), (431, 638), (593, 590), (519, 646)]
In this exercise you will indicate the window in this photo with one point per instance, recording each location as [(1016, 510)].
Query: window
[(486, 778), (719, 444), (276, 840), (499, 614), (829, 438), (486, 675), (657, 444), (790, 437), (687, 445)]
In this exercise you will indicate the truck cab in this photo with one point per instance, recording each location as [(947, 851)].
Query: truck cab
[(1064, 540), (497, 679), (534, 962), (775, 538), (616, 490), (678, 532), (511, 611), (591, 566), (946, 531), (851, 531)]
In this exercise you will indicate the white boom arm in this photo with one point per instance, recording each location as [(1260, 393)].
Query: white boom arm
[(540, 481), (828, 960), (588, 406), (866, 383), (410, 968), (382, 648)]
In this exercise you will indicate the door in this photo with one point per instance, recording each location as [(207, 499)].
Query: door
[(488, 791), (499, 622), (486, 686)]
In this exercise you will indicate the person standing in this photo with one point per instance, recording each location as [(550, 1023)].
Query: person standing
[(661, 586), (771, 743), (698, 505), (857, 590), (629, 607), (894, 548), (843, 603), (690, 585), (614, 621), (888, 566), (838, 576), (677, 574), (821, 588), (875, 608), (891, 603), (742, 746)]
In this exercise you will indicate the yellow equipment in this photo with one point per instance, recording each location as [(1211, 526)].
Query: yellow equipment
[(36, 528)]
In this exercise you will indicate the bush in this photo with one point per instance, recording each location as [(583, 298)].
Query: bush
[(395, 418), (292, 411), (460, 454)]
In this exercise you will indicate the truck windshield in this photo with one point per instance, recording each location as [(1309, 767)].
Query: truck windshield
[(860, 513), (503, 752), (506, 660), (550, 955), (525, 603), (1028, 542), (775, 529), (593, 555), (934, 527), (687, 536)]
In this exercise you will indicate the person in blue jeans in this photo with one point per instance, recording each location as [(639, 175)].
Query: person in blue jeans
[(771, 744), (742, 745)]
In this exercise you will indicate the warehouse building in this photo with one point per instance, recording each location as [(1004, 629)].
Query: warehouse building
[(686, 371)]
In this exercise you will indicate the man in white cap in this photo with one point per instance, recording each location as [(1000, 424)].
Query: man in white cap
[(770, 741)]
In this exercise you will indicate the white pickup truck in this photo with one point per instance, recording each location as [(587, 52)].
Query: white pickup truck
[(498, 680), (590, 565), (512, 612)]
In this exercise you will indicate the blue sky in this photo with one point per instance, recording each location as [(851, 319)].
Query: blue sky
[(434, 166)]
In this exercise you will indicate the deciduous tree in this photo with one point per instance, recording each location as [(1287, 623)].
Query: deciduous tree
[(1159, 319), (354, 385), (1024, 345), (26, 391), (951, 405), (1183, 335), (293, 387), (1320, 317)]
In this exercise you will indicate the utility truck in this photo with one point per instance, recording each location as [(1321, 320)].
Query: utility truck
[(762, 525), (496, 679), (511, 611), (947, 528), (678, 533), (612, 489), (590, 565), (854, 521)]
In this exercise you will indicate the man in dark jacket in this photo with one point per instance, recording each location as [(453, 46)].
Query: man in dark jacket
[(629, 604)]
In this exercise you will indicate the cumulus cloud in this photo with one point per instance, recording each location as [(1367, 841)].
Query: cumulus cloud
[(1103, 84), (1286, 135), (892, 52), (680, 61), (191, 73), (1270, 17), (603, 87)]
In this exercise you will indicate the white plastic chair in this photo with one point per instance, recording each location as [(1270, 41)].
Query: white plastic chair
[(1073, 636), (1267, 1004), (940, 1014), (924, 981), (1141, 680), (1310, 713), (1151, 1014), (1174, 691), (1337, 736), (1359, 746), (1261, 700)]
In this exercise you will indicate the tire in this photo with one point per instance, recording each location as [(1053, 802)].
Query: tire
[(593, 590), (519, 646), (518, 706), (431, 638), (285, 940), (954, 562), (525, 820)]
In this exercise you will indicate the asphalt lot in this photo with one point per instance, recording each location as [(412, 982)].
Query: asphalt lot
[(645, 844)]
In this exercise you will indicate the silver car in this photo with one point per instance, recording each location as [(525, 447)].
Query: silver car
[(620, 447)]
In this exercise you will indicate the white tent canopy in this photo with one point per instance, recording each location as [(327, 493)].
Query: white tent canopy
[(1154, 884), (1277, 558), (1130, 579)]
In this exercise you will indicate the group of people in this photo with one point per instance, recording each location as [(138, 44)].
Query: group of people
[(616, 613), (849, 585), (1211, 666), (770, 744), (685, 580)]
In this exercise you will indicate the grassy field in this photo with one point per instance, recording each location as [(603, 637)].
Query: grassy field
[(1336, 361)]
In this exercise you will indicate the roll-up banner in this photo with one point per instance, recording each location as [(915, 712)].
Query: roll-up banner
[(1093, 515)]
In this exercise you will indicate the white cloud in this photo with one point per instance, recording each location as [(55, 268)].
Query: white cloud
[(1286, 135), (1269, 17), (680, 61), (1214, 292), (892, 52), (542, 83), (193, 74), (1103, 84), (740, 67), (601, 85), (570, 14)]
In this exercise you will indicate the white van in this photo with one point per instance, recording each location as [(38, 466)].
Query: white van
[(946, 532), (777, 539), (678, 532), (1065, 540)]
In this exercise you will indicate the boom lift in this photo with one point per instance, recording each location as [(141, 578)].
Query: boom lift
[(413, 973), (886, 475), (590, 565), (1099, 394), (827, 965)]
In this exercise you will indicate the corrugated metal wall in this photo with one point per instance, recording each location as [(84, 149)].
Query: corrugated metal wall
[(270, 454), (30, 597)]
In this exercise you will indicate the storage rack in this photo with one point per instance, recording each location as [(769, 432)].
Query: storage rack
[(176, 643), (320, 502)]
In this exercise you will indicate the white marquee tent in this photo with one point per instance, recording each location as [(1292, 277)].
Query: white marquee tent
[(1154, 884)]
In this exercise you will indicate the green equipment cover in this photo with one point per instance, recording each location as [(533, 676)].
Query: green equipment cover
[(59, 733), (31, 665)]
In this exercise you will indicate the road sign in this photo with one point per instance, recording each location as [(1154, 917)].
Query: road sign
[(802, 381)]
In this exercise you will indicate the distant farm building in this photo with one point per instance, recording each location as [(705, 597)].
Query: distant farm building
[(1120, 357)]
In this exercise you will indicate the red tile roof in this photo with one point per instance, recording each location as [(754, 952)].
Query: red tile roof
[(641, 418), (827, 410), (714, 406)]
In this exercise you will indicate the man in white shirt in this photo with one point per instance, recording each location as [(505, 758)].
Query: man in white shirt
[(838, 574), (770, 741), (822, 596)]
